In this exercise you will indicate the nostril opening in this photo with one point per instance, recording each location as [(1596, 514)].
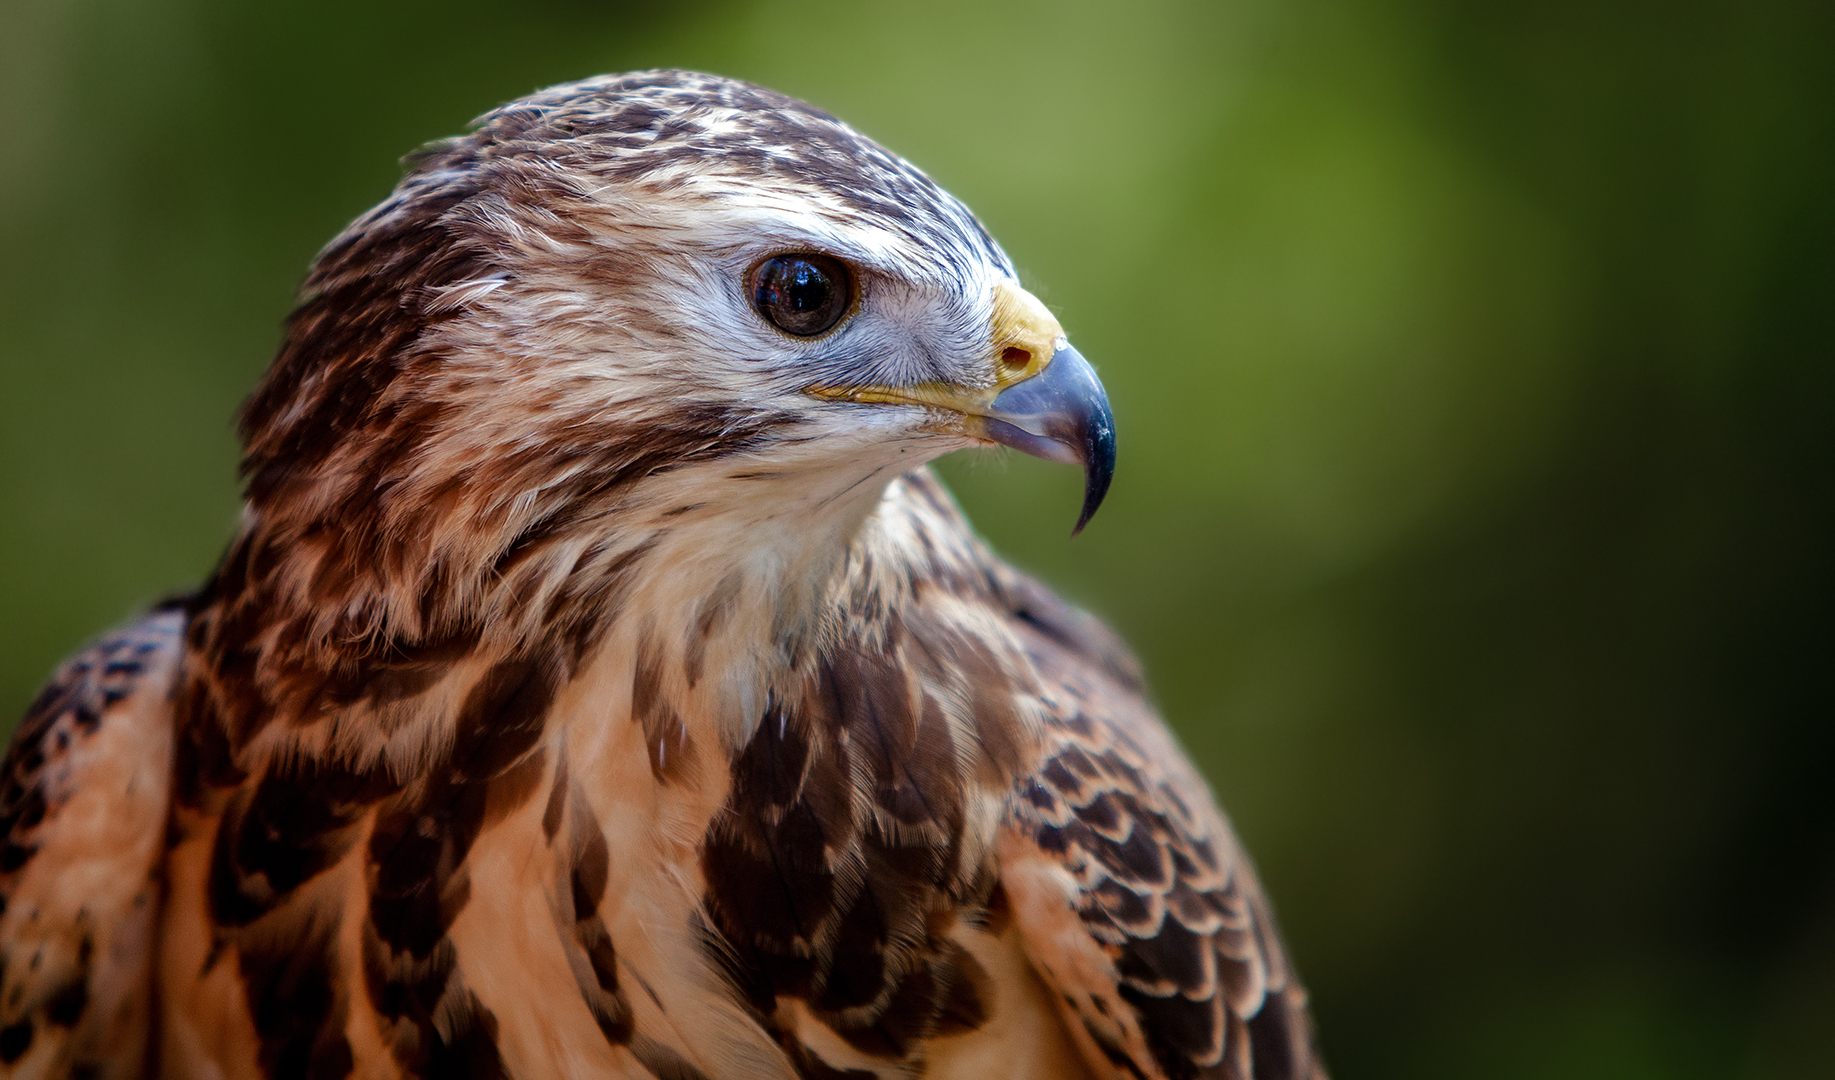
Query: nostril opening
[(1015, 357)]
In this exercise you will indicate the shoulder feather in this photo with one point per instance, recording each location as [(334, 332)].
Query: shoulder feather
[(1137, 904), (83, 804)]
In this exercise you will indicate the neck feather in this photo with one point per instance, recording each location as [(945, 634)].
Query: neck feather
[(300, 650)]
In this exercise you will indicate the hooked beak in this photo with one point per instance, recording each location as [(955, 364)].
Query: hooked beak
[(1060, 414), (1046, 400)]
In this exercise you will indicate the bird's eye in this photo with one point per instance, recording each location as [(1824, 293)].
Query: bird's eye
[(803, 294)]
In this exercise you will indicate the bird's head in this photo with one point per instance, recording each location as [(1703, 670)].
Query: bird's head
[(618, 282)]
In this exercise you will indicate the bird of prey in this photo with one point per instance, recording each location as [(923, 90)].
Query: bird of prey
[(598, 685)]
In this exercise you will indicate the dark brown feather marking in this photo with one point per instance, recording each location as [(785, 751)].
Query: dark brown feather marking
[(663, 1062), (15, 1040), (69, 707), (67, 1002), (515, 786), (591, 953), (810, 1067), (292, 1000), (992, 701), (299, 820), (42, 773), (294, 824), (665, 735), (591, 868), (558, 791), (585, 606), (504, 715), (468, 1051), (842, 902), (1165, 890)]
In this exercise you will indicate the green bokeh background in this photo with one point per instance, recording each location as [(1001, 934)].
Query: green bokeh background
[(1473, 366)]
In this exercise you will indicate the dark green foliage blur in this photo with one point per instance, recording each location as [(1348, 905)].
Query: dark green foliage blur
[(1473, 365)]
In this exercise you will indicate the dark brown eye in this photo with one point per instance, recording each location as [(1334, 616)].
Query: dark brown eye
[(803, 295)]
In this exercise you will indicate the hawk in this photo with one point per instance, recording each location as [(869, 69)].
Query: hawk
[(598, 684)]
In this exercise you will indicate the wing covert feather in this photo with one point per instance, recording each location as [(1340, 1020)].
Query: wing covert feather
[(83, 805), (1136, 902)]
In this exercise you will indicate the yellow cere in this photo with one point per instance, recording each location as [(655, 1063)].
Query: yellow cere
[(1024, 334)]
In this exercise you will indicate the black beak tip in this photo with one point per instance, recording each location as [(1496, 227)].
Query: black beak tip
[(1098, 465)]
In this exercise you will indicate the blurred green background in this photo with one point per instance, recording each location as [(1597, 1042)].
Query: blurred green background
[(1473, 363)]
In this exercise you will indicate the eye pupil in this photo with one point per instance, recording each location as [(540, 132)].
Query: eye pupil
[(808, 289), (803, 295)]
